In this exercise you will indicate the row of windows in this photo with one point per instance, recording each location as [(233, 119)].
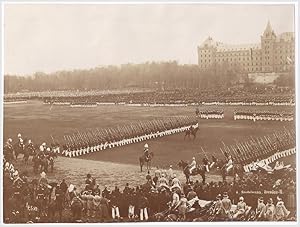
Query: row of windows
[(234, 59), (256, 69)]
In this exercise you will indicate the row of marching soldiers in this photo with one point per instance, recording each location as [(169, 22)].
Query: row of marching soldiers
[(210, 114), (262, 148), (256, 115), (100, 139)]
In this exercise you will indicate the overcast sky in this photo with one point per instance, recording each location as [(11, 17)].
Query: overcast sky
[(48, 38)]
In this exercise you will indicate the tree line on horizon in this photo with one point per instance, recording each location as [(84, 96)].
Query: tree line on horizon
[(155, 75)]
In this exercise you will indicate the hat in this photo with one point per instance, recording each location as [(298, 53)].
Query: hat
[(146, 145), (43, 174), (270, 201), (71, 187)]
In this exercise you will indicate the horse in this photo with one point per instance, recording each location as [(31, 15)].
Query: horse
[(146, 160), (191, 131), (40, 163), (198, 170), (18, 148), (237, 168)]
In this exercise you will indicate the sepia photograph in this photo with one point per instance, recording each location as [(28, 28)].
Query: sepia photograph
[(149, 112)]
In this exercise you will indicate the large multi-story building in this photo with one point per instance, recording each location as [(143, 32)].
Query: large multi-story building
[(274, 54)]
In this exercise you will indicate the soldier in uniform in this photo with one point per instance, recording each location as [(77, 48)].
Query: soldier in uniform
[(146, 151), (214, 161), (8, 150), (193, 165), (19, 137), (206, 163), (229, 164)]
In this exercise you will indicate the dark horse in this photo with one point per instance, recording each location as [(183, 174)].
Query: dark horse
[(237, 169), (191, 131), (19, 148), (146, 160), (199, 170)]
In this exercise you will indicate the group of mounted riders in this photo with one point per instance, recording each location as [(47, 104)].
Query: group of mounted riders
[(42, 156), (226, 167)]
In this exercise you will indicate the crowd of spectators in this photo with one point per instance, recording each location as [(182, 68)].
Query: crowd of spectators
[(41, 200), (234, 96)]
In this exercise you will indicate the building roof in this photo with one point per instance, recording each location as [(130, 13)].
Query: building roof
[(221, 47), (268, 29), (286, 36), (209, 42)]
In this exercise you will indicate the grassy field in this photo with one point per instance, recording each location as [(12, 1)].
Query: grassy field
[(38, 122), (120, 165), (111, 174)]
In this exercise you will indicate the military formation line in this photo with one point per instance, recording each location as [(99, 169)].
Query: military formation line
[(234, 96), (254, 115), (260, 148), (82, 143)]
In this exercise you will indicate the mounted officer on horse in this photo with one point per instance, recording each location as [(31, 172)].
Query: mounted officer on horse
[(191, 131), (192, 170), (146, 158)]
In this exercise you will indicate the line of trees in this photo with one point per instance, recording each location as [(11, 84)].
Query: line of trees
[(153, 75)]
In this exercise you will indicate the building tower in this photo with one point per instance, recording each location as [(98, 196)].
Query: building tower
[(268, 41)]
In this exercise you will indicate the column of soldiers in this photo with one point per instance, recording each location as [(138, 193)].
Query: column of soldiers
[(81, 143), (206, 97), (268, 148), (210, 114), (263, 115)]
